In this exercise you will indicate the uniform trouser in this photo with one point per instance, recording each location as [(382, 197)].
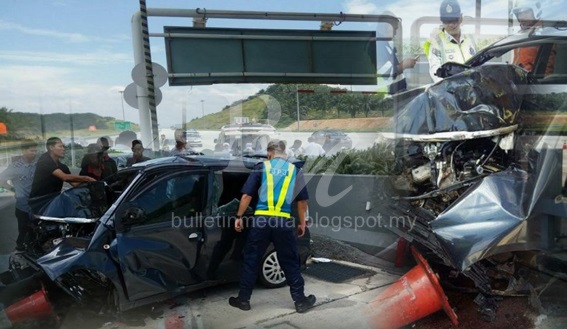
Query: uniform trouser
[(281, 232), (24, 229)]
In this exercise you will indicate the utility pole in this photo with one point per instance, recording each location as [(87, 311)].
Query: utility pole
[(297, 102), (122, 99), (72, 135), (203, 112)]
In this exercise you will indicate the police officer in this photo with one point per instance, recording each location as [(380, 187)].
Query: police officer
[(447, 43), (276, 181)]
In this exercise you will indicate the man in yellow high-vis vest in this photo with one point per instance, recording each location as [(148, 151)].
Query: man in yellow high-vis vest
[(448, 43), (277, 183)]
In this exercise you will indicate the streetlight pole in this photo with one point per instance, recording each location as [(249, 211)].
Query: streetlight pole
[(184, 114), (297, 102), (203, 111), (122, 99)]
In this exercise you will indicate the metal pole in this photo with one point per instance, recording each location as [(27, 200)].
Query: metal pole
[(123, 113), (510, 16), (263, 15), (72, 136), (141, 93), (297, 102), (477, 17), (184, 116), (149, 75), (41, 119), (203, 112)]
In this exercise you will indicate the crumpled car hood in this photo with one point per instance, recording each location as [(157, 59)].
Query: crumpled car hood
[(479, 99)]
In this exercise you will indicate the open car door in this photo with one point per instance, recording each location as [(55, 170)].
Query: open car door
[(159, 232)]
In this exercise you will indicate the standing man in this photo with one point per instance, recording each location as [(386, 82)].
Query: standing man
[(278, 182), (109, 165), (389, 66), (20, 174), (181, 144), (137, 153), (163, 143), (51, 173), (447, 43), (313, 149)]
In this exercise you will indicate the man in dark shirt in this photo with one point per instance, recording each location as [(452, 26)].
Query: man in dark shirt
[(278, 183), (137, 153), (50, 173), (110, 167)]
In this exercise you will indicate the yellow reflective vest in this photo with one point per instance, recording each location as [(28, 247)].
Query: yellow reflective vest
[(276, 192), (442, 48)]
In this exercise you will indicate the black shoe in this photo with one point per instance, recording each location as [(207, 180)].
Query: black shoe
[(306, 303), (241, 304)]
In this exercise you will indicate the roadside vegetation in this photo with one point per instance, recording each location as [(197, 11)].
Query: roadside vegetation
[(375, 160)]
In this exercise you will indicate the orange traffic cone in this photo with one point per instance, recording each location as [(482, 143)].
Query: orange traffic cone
[(415, 295), (34, 307)]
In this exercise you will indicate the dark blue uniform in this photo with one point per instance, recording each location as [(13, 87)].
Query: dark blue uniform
[(277, 183)]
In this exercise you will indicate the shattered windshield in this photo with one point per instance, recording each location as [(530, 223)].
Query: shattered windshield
[(88, 201)]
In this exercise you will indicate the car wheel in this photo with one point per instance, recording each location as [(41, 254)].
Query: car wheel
[(271, 273)]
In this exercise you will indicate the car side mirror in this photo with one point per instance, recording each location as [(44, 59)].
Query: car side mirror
[(132, 216)]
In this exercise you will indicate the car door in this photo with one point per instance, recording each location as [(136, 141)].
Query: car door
[(159, 232)]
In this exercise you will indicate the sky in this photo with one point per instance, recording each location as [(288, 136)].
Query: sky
[(75, 56)]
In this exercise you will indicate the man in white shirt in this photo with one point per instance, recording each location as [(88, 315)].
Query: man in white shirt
[(447, 43), (313, 149)]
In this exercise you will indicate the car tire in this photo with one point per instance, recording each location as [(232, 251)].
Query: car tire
[(271, 274)]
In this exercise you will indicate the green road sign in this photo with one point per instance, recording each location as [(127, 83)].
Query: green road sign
[(122, 125)]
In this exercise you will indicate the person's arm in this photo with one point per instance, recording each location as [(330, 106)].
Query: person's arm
[(74, 180), (244, 203), (434, 56), (5, 176), (251, 187), (407, 63), (301, 210), (434, 62)]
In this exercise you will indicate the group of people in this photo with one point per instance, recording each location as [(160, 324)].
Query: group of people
[(447, 43), (311, 149), (36, 180)]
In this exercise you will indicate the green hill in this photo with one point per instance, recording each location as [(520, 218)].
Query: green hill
[(277, 105), (30, 125)]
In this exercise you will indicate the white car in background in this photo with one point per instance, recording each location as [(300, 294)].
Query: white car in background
[(237, 136)]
